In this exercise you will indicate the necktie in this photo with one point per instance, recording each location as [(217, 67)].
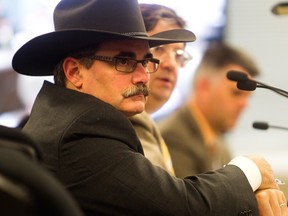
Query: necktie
[(167, 157)]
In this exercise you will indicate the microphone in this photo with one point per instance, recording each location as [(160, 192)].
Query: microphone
[(280, 8), (265, 126), (237, 76), (243, 82), (247, 84)]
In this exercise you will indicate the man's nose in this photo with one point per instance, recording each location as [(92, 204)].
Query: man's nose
[(140, 74)]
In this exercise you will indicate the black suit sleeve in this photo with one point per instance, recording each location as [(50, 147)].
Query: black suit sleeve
[(110, 177), (93, 149)]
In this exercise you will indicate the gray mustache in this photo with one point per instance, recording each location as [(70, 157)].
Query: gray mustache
[(136, 90)]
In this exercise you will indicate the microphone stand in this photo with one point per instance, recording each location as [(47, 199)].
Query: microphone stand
[(265, 126)]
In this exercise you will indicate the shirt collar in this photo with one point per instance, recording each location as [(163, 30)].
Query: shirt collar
[(207, 132)]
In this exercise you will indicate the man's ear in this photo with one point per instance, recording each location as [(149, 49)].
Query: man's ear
[(71, 67)]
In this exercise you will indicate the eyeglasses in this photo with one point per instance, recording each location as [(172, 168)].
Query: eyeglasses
[(182, 57), (128, 65)]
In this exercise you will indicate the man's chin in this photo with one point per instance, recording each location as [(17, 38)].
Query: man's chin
[(131, 113), (136, 108), (139, 108)]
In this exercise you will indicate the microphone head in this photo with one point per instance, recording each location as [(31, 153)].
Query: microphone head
[(280, 8), (260, 125), (237, 76), (248, 85)]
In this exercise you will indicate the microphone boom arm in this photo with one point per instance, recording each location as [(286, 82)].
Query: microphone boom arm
[(277, 90)]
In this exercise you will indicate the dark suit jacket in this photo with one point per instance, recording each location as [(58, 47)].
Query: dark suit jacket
[(186, 144), (93, 149)]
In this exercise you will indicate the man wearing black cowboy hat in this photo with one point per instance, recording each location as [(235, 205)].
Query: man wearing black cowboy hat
[(100, 58)]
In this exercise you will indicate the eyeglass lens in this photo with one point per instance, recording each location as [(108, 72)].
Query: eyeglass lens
[(181, 56), (129, 65)]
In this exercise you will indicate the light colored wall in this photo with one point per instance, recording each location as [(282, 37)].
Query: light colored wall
[(252, 26)]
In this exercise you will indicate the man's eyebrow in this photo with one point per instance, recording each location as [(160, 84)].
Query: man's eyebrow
[(149, 55), (126, 54), (133, 55)]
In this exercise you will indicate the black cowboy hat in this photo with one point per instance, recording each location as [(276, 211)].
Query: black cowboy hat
[(81, 23)]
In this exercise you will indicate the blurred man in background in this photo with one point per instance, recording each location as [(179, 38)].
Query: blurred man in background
[(159, 18), (194, 133)]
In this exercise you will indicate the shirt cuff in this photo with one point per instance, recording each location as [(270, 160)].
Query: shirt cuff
[(250, 170)]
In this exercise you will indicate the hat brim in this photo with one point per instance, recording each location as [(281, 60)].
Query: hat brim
[(39, 56)]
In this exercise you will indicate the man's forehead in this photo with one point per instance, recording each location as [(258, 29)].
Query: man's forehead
[(127, 48), (133, 54), (178, 45), (236, 67)]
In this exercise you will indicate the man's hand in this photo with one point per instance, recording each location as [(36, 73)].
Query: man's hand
[(268, 178), (271, 202)]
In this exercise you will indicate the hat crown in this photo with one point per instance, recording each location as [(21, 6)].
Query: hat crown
[(83, 23), (119, 16)]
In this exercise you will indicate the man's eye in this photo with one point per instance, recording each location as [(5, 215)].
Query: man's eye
[(123, 62), (179, 53), (236, 92), (159, 49), (145, 63)]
